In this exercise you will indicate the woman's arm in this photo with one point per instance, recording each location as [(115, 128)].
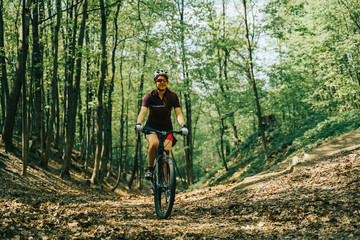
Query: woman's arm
[(179, 116), (142, 114)]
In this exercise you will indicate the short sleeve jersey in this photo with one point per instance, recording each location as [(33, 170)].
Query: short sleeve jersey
[(159, 116)]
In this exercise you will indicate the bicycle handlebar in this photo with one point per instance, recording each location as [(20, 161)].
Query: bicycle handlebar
[(150, 130)]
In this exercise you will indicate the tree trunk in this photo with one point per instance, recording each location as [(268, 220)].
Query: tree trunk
[(24, 38), (54, 90), (222, 131), (56, 127), (222, 89), (81, 128), (253, 83), (122, 117), (11, 108), (138, 137), (231, 116), (224, 66), (136, 160), (100, 116), (187, 82), (222, 149), (189, 146), (37, 78), (108, 157), (126, 155), (139, 98), (122, 93), (88, 110), (73, 100), (70, 55), (4, 81)]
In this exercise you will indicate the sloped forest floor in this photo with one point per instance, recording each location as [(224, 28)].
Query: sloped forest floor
[(320, 200)]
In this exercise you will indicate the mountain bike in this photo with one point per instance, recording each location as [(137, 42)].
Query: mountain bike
[(163, 181)]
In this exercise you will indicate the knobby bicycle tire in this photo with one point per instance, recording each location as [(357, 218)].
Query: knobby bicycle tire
[(165, 186)]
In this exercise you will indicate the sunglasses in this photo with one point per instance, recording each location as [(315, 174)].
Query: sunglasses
[(160, 80)]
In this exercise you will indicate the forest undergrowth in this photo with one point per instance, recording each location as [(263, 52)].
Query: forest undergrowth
[(317, 201), (284, 143), (314, 202)]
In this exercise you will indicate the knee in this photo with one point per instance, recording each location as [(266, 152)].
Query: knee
[(153, 144)]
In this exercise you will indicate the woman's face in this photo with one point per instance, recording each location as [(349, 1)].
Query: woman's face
[(161, 83)]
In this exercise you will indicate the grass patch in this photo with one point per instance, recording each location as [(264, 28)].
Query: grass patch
[(248, 159)]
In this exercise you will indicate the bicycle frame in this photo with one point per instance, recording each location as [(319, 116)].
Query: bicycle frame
[(162, 135), (164, 179)]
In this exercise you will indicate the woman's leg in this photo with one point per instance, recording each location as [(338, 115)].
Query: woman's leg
[(153, 145), (168, 145)]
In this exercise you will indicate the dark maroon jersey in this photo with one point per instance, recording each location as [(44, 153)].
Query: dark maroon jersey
[(159, 117)]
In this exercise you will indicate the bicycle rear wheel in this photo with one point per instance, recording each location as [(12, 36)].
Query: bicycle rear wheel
[(165, 185)]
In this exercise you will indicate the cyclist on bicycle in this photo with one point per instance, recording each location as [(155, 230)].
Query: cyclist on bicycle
[(160, 102)]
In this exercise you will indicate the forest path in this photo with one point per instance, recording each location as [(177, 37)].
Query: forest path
[(320, 199), (342, 144)]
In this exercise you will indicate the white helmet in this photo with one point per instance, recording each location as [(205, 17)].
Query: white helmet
[(160, 73)]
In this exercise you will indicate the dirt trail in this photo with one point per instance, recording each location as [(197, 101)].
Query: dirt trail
[(340, 145), (344, 143), (320, 199)]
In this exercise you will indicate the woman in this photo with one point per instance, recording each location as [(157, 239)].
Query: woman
[(160, 102)]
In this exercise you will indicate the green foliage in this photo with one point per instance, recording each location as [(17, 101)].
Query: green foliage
[(318, 52), (311, 78), (248, 159), (324, 130)]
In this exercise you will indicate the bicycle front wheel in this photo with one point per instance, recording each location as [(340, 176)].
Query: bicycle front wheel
[(165, 185)]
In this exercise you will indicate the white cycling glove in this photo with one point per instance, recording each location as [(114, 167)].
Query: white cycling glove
[(184, 130), (139, 127)]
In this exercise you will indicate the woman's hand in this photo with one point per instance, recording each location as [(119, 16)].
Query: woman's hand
[(184, 130), (139, 127)]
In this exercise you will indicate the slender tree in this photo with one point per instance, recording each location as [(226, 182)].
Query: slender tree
[(54, 90), (139, 96), (4, 81), (24, 38), (115, 44), (252, 79), (11, 108), (223, 64), (89, 96), (70, 33), (99, 155), (188, 108), (37, 76), (73, 100), (106, 167)]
